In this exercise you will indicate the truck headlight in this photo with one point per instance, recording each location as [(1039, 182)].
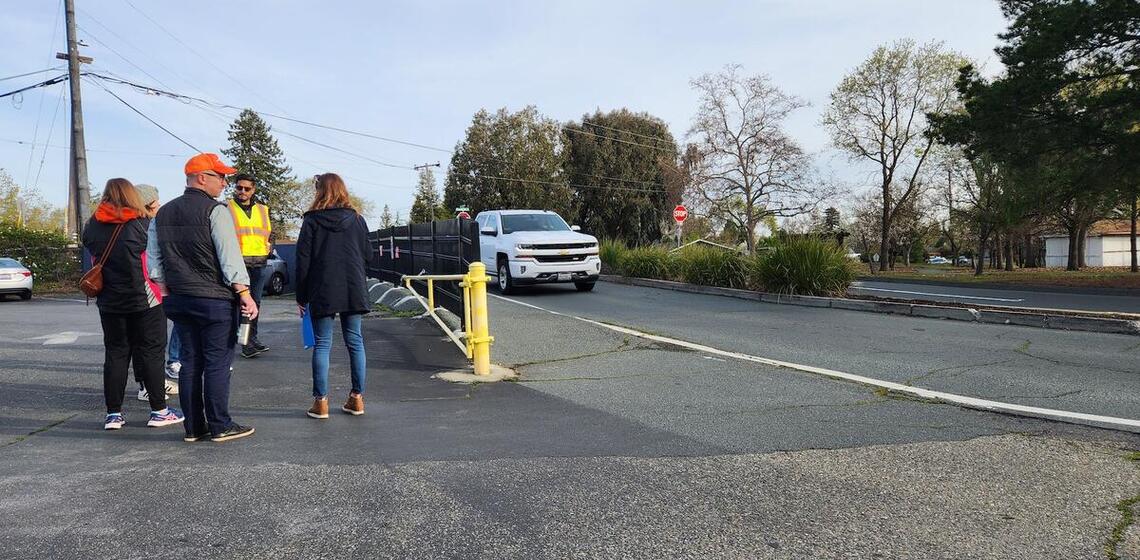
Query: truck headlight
[(522, 247)]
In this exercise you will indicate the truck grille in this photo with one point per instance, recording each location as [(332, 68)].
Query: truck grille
[(547, 246), (560, 258)]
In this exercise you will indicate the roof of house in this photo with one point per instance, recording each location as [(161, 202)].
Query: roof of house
[(1104, 228)]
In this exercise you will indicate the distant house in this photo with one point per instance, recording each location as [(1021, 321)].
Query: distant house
[(1108, 244)]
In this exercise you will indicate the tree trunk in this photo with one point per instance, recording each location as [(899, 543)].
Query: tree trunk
[(1071, 263), (1135, 268), (1082, 244), (979, 261), (995, 260), (885, 244), (1030, 253), (1009, 252)]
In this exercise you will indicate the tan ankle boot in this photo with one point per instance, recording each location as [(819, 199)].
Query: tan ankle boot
[(354, 405), (320, 409)]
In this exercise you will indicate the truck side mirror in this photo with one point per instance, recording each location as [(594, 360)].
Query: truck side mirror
[(575, 228), (489, 231)]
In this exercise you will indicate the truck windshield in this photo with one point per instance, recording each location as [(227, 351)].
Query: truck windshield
[(533, 222)]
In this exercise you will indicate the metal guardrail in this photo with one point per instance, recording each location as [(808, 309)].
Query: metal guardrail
[(477, 337)]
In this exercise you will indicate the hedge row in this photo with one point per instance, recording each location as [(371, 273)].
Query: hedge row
[(800, 266)]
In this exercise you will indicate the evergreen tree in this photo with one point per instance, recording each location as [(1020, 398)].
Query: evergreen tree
[(509, 160), (427, 205), (386, 218), (254, 150), (618, 165)]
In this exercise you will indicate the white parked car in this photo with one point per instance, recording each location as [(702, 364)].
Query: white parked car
[(15, 278), (526, 247), (938, 260)]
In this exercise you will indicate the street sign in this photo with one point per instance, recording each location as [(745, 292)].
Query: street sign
[(463, 215), (680, 213)]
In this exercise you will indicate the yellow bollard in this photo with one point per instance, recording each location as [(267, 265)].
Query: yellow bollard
[(481, 339)]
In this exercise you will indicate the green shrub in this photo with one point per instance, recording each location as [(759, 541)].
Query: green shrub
[(48, 254), (647, 262), (711, 266), (803, 266), (611, 252)]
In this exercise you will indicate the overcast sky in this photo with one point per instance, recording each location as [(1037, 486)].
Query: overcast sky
[(418, 71)]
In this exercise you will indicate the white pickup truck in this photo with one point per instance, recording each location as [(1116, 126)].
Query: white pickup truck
[(526, 247)]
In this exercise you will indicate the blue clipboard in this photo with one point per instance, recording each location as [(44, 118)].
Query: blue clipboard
[(308, 340)]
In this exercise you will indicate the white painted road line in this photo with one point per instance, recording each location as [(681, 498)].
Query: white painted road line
[(858, 287), (961, 400)]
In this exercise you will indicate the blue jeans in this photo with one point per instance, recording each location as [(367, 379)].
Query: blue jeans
[(322, 333), (207, 336), (174, 348)]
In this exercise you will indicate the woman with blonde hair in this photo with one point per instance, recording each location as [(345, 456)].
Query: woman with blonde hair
[(332, 251), (130, 304)]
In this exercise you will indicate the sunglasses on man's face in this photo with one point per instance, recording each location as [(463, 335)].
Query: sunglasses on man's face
[(222, 177), (243, 189)]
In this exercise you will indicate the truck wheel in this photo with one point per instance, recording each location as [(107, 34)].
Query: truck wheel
[(584, 286), (506, 284)]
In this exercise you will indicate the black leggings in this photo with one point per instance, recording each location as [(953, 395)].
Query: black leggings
[(138, 337)]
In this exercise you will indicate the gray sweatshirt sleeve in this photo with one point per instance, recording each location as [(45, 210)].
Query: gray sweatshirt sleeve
[(154, 254), (226, 243)]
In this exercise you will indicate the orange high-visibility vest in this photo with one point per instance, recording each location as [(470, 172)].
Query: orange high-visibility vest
[(252, 230)]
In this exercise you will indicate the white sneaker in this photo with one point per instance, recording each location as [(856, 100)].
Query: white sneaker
[(143, 395), (171, 387), (173, 369)]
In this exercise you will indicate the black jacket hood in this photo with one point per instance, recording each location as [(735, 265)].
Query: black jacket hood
[(333, 219)]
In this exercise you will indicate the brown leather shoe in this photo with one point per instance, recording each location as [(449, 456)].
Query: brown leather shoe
[(320, 409), (354, 405)]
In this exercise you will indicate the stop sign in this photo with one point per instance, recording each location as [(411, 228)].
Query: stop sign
[(680, 213), (463, 215)]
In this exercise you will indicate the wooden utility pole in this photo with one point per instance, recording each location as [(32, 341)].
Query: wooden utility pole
[(79, 192)]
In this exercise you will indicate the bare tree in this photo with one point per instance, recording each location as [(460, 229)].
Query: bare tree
[(749, 168), (878, 113)]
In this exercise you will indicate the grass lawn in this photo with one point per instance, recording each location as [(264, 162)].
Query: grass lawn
[(1089, 277)]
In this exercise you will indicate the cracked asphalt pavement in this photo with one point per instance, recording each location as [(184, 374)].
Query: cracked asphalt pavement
[(608, 446)]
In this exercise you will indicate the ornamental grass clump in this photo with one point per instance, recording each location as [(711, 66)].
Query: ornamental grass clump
[(611, 251), (804, 266), (712, 266), (647, 262)]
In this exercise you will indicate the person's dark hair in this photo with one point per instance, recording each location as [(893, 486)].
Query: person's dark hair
[(245, 177)]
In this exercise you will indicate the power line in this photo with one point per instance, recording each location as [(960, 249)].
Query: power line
[(143, 115), (367, 158), (200, 55), (51, 130), (580, 131), (150, 89), (136, 48), (45, 70), (58, 147), (116, 53), (48, 82), (630, 132), (43, 93)]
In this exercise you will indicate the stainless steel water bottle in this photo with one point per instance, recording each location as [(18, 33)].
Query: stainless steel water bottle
[(243, 330)]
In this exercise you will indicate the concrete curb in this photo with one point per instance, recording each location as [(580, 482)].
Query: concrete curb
[(1085, 290), (1037, 320)]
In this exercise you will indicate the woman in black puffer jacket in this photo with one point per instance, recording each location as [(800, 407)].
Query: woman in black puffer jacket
[(130, 305), (332, 250)]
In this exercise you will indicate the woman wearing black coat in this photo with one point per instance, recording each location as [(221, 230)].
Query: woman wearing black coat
[(130, 304), (332, 251)]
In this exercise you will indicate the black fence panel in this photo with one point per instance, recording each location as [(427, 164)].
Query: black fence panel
[(440, 247)]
